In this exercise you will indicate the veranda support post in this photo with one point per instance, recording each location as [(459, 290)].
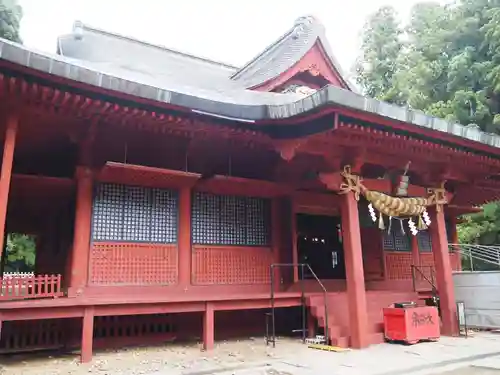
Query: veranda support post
[(443, 273), (81, 238), (356, 293)]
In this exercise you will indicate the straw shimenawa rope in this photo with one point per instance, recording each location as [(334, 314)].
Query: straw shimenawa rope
[(388, 205)]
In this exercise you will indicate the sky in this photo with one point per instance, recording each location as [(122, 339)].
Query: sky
[(232, 32)]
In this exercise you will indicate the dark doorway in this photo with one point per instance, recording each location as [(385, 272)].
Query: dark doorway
[(319, 244)]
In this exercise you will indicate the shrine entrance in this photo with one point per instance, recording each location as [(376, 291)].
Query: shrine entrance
[(319, 244)]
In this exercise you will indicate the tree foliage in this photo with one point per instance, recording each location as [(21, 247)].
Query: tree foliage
[(10, 20), (21, 252), (444, 62)]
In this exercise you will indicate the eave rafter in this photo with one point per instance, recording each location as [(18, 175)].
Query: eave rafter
[(52, 101)]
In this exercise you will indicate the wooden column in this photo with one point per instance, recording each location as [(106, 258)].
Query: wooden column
[(87, 335), (356, 294), (208, 326), (443, 273), (81, 236), (6, 172), (184, 251), (276, 240)]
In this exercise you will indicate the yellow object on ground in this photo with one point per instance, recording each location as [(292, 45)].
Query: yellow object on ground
[(328, 348)]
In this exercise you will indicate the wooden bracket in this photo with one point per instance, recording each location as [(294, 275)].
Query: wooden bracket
[(288, 148)]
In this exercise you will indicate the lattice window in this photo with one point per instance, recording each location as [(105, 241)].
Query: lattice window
[(424, 242), (134, 214), (397, 241), (230, 220)]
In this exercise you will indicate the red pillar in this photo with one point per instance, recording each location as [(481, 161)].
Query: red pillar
[(81, 236), (184, 237), (208, 327), (356, 293), (87, 334), (6, 173), (443, 273)]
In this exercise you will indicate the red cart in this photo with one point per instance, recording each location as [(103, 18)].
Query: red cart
[(411, 324)]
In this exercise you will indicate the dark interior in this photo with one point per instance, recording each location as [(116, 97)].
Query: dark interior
[(319, 244)]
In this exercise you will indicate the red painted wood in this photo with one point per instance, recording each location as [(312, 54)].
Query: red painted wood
[(340, 322), (81, 237), (87, 335), (32, 335), (354, 271), (316, 203), (208, 327), (443, 273), (231, 265), (242, 186), (41, 286), (185, 236), (12, 124), (315, 62), (118, 263), (146, 176), (373, 253)]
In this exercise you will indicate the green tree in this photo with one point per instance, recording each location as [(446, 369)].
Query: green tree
[(10, 20), (448, 66), (21, 252), (381, 47)]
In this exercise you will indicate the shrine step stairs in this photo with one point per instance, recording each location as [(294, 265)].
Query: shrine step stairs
[(338, 313)]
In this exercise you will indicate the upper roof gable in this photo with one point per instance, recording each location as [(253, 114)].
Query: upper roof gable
[(306, 36)]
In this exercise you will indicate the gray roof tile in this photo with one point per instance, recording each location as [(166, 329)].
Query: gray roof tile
[(286, 52), (228, 101)]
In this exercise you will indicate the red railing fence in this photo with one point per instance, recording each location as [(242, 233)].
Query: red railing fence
[(40, 286)]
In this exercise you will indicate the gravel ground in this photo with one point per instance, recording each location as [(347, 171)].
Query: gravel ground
[(145, 360)]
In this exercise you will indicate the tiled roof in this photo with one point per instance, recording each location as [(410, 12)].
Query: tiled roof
[(285, 52), (92, 45), (232, 102)]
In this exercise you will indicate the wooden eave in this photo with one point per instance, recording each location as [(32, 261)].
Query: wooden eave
[(242, 186), (121, 173)]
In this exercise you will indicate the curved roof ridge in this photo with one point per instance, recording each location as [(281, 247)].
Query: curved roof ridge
[(257, 57), (286, 51)]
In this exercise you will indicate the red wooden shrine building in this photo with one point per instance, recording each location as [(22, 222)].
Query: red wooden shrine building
[(161, 187)]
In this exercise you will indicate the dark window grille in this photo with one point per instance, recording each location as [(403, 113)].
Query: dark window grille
[(134, 214), (424, 241), (230, 220), (397, 241)]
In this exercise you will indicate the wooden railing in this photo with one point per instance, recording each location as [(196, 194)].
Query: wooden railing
[(41, 286)]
